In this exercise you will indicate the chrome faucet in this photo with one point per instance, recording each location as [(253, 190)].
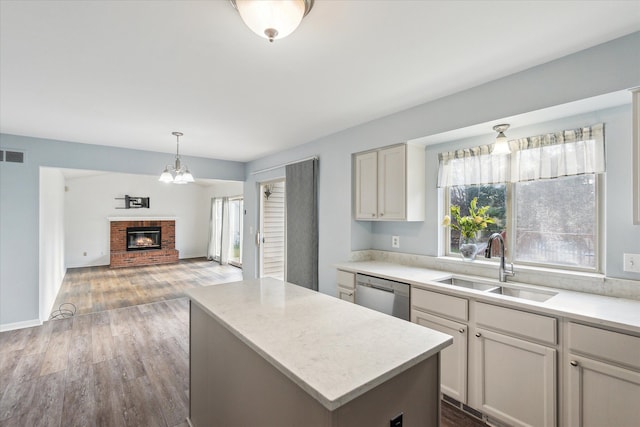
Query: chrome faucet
[(502, 272)]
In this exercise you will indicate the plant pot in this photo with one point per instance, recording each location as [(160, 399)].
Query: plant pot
[(468, 248)]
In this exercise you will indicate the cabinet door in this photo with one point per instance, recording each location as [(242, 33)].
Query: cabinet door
[(601, 394), (513, 380), (366, 191), (392, 178), (453, 359), (346, 294)]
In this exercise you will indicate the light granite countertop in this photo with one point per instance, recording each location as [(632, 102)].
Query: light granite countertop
[(334, 350), (607, 311)]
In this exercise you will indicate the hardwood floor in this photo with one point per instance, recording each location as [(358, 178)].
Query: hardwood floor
[(450, 416), (123, 360), (123, 367), (94, 289)]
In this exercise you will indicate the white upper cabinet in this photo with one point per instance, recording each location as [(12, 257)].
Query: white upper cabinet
[(390, 184), (366, 191)]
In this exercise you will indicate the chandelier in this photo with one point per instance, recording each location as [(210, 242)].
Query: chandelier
[(272, 19), (182, 174)]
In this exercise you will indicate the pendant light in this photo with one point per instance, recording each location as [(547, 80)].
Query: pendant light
[(272, 19), (182, 174), (501, 145)]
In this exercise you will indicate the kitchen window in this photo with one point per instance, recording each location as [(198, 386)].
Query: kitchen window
[(545, 196)]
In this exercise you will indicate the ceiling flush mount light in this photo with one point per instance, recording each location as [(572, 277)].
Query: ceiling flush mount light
[(502, 145), (182, 174), (272, 19)]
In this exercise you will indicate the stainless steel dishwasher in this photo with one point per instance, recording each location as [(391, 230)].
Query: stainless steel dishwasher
[(387, 296)]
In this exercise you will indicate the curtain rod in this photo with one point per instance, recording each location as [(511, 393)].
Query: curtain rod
[(283, 165)]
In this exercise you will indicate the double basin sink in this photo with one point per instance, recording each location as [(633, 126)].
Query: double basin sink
[(499, 288)]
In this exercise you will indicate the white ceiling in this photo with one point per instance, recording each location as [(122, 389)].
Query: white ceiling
[(128, 73)]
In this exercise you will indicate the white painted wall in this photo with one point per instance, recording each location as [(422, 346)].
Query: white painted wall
[(89, 200), (52, 267), (225, 189)]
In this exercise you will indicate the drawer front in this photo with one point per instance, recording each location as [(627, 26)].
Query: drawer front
[(605, 345), (346, 279), (444, 305), (517, 323), (346, 294)]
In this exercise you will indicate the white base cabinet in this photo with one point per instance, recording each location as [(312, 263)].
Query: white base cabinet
[(453, 359), (603, 378), (528, 368), (513, 380), (346, 286)]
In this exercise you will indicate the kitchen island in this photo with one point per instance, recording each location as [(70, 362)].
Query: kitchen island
[(269, 353)]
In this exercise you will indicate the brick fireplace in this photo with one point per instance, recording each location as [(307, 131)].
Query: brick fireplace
[(121, 257)]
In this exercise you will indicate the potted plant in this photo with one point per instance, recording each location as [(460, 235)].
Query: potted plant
[(468, 226)]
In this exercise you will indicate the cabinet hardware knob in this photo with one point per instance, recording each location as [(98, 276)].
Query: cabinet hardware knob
[(381, 213), (373, 214), (349, 294), (478, 334), (461, 330), (573, 363)]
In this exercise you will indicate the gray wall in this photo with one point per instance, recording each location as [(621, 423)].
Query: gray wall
[(606, 68), (19, 200), (621, 235), (602, 69)]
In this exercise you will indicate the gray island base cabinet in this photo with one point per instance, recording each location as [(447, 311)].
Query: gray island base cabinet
[(242, 376)]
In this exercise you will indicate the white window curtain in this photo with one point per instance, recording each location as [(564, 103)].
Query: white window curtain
[(224, 238), (472, 166), (213, 247), (566, 153), (218, 245)]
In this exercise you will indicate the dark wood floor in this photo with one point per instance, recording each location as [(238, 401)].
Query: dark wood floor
[(451, 416), (123, 360)]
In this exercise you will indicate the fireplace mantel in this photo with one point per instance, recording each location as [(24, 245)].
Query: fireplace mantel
[(141, 218)]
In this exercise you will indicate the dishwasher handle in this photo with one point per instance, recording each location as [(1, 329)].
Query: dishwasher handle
[(378, 287)]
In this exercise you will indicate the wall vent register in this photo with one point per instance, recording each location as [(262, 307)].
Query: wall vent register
[(11, 156)]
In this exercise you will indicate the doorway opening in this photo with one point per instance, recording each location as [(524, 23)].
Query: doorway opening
[(271, 238)]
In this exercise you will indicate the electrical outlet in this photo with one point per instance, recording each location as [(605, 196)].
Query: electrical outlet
[(395, 241), (396, 421), (632, 263)]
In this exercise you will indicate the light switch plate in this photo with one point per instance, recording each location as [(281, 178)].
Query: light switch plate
[(395, 241), (632, 263)]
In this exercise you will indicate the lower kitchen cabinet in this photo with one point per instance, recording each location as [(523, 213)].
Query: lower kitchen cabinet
[(453, 359), (346, 281), (346, 294), (603, 378), (513, 380)]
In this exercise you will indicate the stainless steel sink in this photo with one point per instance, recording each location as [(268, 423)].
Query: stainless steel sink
[(530, 294), (469, 284), (496, 287)]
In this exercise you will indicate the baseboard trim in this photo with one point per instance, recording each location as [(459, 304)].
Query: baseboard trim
[(19, 325)]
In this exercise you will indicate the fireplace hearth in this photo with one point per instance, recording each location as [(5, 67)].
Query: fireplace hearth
[(143, 238)]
